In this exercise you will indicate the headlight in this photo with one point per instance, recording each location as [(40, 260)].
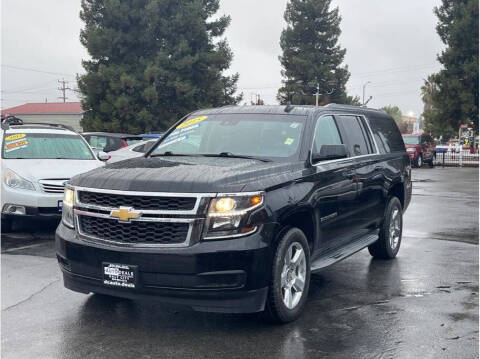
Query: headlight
[(411, 150), (67, 207), (12, 180), (228, 214)]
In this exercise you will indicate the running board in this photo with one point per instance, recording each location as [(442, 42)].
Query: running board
[(339, 254)]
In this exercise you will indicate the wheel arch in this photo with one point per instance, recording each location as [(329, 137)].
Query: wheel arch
[(306, 220)]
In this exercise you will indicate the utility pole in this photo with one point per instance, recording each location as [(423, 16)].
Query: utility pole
[(363, 98), (64, 89), (317, 94)]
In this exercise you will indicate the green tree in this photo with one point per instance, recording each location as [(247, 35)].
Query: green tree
[(434, 123), (312, 55), (452, 93), (395, 112), (151, 62)]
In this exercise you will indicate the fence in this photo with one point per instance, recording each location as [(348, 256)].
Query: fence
[(461, 159)]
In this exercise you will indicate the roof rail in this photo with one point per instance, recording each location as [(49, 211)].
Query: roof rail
[(50, 124), (15, 121)]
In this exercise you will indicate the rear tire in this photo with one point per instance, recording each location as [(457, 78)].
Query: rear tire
[(390, 236), (419, 161), (6, 225), (290, 281), (431, 163)]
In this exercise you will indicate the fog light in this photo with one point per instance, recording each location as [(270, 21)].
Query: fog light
[(14, 209)]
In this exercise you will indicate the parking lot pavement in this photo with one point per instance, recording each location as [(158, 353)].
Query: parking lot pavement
[(424, 304)]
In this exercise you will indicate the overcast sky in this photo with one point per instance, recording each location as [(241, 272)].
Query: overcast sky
[(391, 43)]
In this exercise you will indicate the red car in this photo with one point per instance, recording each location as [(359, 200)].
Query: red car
[(420, 148)]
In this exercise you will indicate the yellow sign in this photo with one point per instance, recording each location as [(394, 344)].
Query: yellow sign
[(125, 214), (15, 137), (191, 122)]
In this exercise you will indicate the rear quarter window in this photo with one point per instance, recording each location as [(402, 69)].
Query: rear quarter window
[(386, 134)]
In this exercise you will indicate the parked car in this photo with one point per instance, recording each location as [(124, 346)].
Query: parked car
[(135, 150), (238, 218), (148, 136), (108, 142), (421, 149), (37, 160)]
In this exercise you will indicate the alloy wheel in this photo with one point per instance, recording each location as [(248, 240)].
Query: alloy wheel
[(293, 275), (395, 229)]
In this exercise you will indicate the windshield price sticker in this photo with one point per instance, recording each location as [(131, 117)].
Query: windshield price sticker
[(16, 136), (172, 141), (289, 141), (15, 145), (191, 122)]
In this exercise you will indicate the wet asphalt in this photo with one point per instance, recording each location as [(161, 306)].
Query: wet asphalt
[(424, 304)]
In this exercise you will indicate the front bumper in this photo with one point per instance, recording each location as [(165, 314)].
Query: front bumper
[(37, 204), (229, 276)]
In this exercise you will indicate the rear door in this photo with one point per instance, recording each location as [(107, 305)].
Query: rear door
[(368, 173)]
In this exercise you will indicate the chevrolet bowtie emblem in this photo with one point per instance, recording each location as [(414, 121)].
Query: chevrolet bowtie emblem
[(125, 214)]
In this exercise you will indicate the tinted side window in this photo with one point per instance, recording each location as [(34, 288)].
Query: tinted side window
[(326, 133), (354, 134), (386, 134)]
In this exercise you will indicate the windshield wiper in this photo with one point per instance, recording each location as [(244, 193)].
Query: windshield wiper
[(231, 155), (170, 153)]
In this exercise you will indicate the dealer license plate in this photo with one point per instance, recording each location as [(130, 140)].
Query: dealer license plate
[(119, 275)]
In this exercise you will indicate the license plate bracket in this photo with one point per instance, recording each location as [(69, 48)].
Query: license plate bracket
[(120, 275)]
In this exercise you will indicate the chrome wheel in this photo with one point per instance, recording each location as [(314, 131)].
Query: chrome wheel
[(293, 275), (395, 228)]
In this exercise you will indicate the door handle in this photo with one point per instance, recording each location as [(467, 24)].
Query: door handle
[(378, 168)]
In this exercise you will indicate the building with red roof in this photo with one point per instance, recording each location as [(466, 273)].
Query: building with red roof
[(65, 113)]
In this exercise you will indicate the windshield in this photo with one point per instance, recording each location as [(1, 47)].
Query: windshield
[(253, 135), (45, 146), (411, 140)]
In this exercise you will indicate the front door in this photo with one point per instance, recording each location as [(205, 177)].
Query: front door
[(334, 189)]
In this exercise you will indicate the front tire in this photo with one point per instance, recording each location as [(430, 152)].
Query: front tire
[(290, 280), (390, 236)]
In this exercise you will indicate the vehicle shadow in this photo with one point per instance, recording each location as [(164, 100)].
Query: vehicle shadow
[(338, 316)]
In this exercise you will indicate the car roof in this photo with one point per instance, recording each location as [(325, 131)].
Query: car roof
[(296, 110), (39, 129), (110, 134)]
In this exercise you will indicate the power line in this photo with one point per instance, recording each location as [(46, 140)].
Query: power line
[(35, 70)]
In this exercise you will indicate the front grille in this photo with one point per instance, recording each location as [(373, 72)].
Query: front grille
[(52, 188), (137, 202), (136, 232)]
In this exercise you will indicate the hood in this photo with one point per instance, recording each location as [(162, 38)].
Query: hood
[(189, 175), (37, 169)]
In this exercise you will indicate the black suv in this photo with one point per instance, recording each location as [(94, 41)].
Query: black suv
[(234, 208)]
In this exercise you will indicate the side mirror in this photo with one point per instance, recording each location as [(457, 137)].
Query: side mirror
[(330, 152), (103, 156)]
